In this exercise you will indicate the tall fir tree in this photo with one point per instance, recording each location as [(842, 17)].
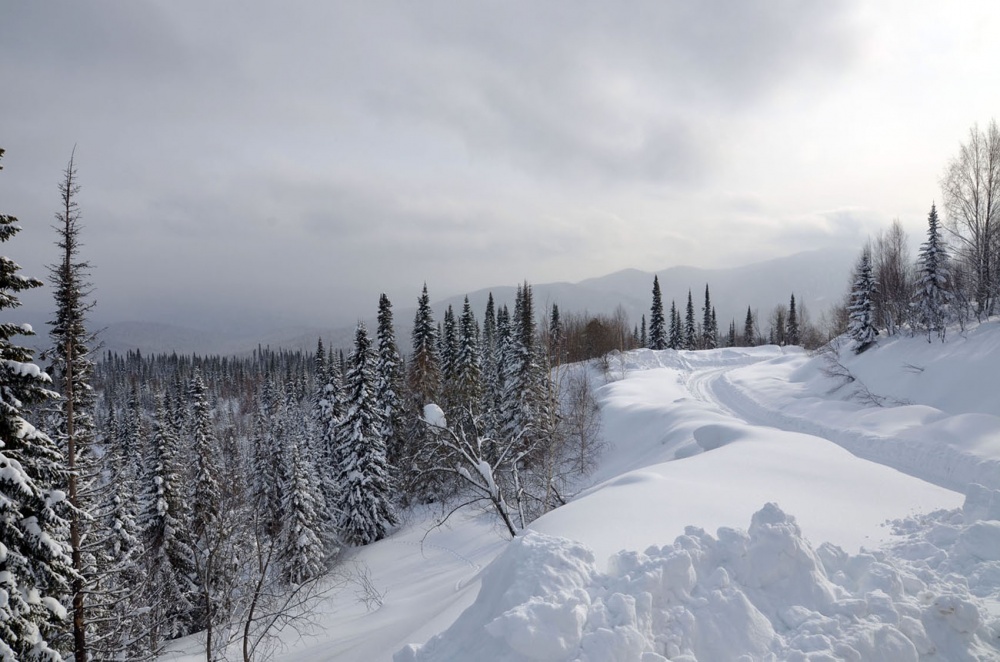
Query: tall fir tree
[(488, 359), (749, 336), (643, 333), (657, 325), (165, 523), (424, 381), (206, 511), (933, 286), (525, 406), (556, 336), (468, 371), (303, 549), (448, 354), (709, 331), (35, 563), (676, 339), (496, 377), (861, 324), (73, 368), (328, 411), (792, 334), (365, 502), (425, 368), (268, 451), (389, 383), (690, 328)]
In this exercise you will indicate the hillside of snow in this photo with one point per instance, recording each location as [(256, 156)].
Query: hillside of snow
[(753, 504)]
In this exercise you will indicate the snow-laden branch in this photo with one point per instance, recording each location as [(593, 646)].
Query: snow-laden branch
[(478, 460)]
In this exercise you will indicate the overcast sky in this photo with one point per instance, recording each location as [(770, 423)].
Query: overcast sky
[(291, 160)]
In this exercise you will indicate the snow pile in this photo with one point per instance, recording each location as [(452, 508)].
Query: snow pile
[(761, 594)]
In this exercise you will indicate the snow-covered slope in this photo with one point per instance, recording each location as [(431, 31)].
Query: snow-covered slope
[(749, 507)]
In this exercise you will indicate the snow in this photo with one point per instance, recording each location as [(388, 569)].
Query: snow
[(434, 416), (748, 507)]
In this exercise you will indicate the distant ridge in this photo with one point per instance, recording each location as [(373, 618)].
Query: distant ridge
[(817, 278)]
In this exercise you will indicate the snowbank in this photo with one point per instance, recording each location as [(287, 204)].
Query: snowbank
[(760, 594)]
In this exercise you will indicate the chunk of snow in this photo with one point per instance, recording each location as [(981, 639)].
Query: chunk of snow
[(434, 416)]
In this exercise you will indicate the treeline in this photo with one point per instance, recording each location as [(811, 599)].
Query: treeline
[(787, 325)]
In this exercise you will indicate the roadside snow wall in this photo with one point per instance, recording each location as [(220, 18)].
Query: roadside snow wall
[(761, 594)]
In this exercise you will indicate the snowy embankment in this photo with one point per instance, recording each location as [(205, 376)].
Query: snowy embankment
[(709, 441)]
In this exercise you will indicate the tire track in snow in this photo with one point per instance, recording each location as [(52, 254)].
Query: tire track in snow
[(938, 463)]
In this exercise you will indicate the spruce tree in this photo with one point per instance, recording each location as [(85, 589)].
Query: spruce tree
[(365, 501), (643, 333), (690, 330), (933, 293), (329, 409), (861, 325), (556, 336), (424, 381), (495, 375), (468, 374), (268, 451), (488, 360), (425, 370), (35, 564), (73, 368), (319, 373), (657, 328), (206, 499), (206, 493), (709, 332), (302, 547), (448, 355), (389, 383), (749, 337), (165, 522), (525, 409), (119, 573), (676, 340), (792, 324)]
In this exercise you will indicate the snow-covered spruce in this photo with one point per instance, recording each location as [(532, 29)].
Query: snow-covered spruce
[(933, 296), (34, 557), (365, 507), (861, 325)]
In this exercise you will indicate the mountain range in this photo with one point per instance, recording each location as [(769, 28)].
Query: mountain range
[(818, 279)]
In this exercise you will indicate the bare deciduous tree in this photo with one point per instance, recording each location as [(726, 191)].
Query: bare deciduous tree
[(893, 271), (971, 188)]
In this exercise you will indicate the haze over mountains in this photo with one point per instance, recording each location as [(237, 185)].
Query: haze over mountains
[(817, 278)]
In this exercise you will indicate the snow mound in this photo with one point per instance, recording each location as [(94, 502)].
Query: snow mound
[(760, 594)]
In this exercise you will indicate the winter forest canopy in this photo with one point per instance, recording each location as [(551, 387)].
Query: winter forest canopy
[(146, 498)]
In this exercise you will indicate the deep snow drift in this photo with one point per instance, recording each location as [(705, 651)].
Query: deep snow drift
[(811, 517), (763, 594)]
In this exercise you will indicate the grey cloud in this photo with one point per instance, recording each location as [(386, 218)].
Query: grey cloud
[(348, 147)]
